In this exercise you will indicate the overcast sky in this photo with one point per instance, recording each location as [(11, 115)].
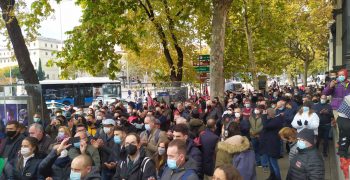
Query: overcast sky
[(66, 17)]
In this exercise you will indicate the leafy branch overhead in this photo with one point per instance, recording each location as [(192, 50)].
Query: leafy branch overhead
[(169, 25)]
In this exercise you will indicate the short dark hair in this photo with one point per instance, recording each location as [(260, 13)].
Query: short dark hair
[(138, 139), (120, 128), (180, 144), (181, 128), (81, 125), (14, 123)]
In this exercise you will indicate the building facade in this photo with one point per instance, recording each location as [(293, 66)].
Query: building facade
[(42, 49)]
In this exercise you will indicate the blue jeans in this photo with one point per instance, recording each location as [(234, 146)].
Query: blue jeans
[(273, 164), (264, 160), (255, 143)]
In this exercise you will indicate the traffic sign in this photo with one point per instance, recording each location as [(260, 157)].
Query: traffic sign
[(205, 57), (202, 68)]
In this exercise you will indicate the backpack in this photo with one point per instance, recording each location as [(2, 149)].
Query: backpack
[(142, 166)]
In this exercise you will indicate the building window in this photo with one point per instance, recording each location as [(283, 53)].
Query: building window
[(33, 44), (46, 53), (57, 46), (48, 77), (35, 64), (45, 44), (34, 52), (51, 46)]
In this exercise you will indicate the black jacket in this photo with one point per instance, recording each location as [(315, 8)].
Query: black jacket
[(142, 169), (28, 172), (10, 147), (307, 165), (57, 168)]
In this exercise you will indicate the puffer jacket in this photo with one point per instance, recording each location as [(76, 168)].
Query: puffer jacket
[(189, 168), (307, 165), (28, 172), (238, 155)]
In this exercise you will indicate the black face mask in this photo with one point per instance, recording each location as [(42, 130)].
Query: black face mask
[(315, 101), (11, 133), (131, 149)]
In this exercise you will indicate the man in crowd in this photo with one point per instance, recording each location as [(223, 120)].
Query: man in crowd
[(12, 143), (37, 131), (180, 165), (81, 168), (151, 137), (136, 165)]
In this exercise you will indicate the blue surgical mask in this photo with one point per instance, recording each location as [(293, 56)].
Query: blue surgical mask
[(281, 108), (76, 145), (341, 78), (36, 120), (247, 105), (171, 164), (74, 175), (147, 127), (306, 109), (117, 140), (301, 144)]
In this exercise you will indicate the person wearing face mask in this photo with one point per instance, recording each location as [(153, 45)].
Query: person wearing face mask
[(136, 165), (231, 125), (91, 124), (37, 131), (37, 119), (306, 118), (255, 129), (10, 146), (63, 132), (160, 158), (104, 142), (25, 166), (179, 166), (152, 136), (325, 113), (52, 128), (82, 147), (82, 169), (56, 164), (308, 163), (338, 88)]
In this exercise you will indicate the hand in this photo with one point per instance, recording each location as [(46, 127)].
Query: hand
[(306, 122), (96, 143), (299, 123), (49, 178), (333, 83), (110, 165), (64, 145), (83, 147)]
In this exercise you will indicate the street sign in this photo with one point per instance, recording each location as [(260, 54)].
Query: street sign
[(201, 63), (202, 68), (205, 57)]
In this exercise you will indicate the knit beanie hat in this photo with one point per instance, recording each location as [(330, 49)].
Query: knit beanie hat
[(307, 135)]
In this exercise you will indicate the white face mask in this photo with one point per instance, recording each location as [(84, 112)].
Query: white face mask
[(25, 151), (99, 118), (237, 115), (106, 130), (64, 154)]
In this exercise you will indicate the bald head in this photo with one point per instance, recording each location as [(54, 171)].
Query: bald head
[(81, 164)]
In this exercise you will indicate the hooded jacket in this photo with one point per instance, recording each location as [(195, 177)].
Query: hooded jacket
[(50, 167), (177, 174), (239, 155)]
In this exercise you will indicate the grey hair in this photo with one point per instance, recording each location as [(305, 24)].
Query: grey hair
[(151, 118), (37, 126)]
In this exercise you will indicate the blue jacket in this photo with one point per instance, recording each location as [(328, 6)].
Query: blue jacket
[(208, 140), (194, 153)]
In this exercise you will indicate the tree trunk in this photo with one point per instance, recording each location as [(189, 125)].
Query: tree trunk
[(306, 68), (248, 33), (25, 65), (217, 81)]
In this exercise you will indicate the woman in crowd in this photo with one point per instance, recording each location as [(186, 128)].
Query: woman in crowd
[(290, 135), (160, 158), (226, 172), (306, 118), (25, 166)]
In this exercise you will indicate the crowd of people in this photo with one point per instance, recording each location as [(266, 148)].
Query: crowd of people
[(195, 139)]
